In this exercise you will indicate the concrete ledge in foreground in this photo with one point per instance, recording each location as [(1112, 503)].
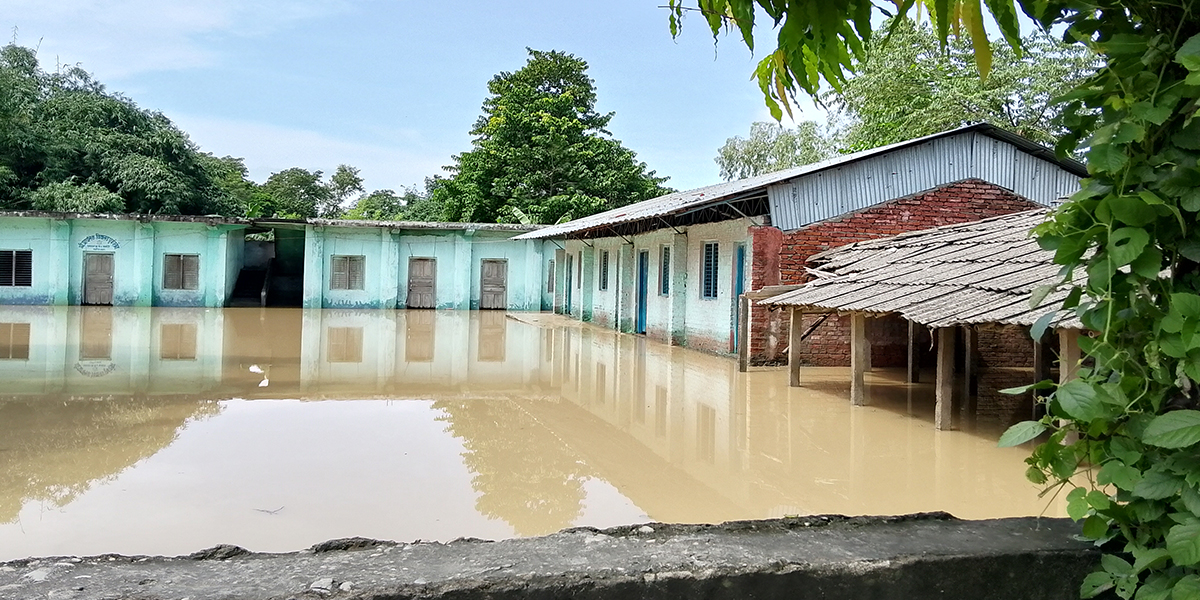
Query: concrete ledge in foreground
[(914, 557)]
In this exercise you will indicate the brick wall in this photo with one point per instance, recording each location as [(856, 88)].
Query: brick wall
[(958, 202)]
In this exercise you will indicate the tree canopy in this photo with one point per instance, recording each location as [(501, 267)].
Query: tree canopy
[(772, 147), (540, 147), (1133, 415), (68, 144)]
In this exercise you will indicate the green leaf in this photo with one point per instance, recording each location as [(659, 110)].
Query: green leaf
[(1078, 399), (1156, 485), (1145, 558), (1022, 432), (1077, 506), (1095, 584), (1177, 429), (1190, 249), (1039, 293), (1151, 113), (1038, 330), (1121, 475), (1106, 158), (1183, 542), (1189, 54), (1017, 391), (1188, 588), (1125, 449), (1191, 499), (1098, 500), (1131, 210), (1116, 565), (1095, 527), (1149, 264), (1126, 244)]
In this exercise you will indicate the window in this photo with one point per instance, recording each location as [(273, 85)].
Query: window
[(664, 272), (181, 272), (708, 277), (16, 268), (14, 341), (550, 279), (177, 341), (579, 273), (345, 344), (603, 270), (347, 273)]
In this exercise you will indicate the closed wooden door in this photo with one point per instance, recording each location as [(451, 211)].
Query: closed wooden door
[(97, 278), (494, 284), (422, 282)]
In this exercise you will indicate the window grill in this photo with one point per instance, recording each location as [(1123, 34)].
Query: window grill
[(16, 268), (603, 270), (550, 279), (664, 272), (708, 286)]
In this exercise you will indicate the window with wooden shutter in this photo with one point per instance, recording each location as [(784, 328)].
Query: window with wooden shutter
[(708, 277), (181, 271), (16, 268), (347, 273), (345, 344), (14, 341), (177, 341)]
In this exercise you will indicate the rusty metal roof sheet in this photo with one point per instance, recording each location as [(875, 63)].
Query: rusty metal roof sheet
[(973, 273)]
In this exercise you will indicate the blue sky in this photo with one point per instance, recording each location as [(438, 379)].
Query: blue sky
[(393, 86)]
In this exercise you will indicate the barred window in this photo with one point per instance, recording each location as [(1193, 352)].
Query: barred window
[(708, 277), (664, 272), (579, 272), (347, 273), (16, 268), (550, 279), (603, 270), (181, 271)]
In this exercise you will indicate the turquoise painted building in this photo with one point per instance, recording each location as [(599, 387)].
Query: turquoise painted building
[(186, 261)]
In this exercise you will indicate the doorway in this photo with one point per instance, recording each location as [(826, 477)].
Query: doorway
[(643, 277), (493, 288), (568, 280), (739, 288), (422, 282), (98, 278)]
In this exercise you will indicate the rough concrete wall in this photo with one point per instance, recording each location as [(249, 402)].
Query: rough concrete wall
[(920, 557), (959, 202)]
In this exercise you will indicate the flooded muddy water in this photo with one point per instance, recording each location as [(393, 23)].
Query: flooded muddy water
[(163, 431)]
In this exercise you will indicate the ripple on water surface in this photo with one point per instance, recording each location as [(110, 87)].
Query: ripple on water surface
[(162, 431)]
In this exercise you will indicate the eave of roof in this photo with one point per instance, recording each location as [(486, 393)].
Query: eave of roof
[(682, 202), (936, 278)]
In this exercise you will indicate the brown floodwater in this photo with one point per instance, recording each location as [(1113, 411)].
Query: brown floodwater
[(163, 431)]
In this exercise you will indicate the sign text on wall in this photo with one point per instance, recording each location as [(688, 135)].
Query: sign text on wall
[(98, 242)]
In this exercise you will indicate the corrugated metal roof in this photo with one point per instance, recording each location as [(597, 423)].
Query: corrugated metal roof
[(941, 277), (885, 179)]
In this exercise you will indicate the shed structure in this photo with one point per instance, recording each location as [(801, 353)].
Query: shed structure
[(675, 268), (957, 276)]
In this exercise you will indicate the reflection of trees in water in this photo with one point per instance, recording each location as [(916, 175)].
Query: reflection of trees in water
[(524, 474), (53, 449)]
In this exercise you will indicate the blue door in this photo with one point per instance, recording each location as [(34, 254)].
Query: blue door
[(642, 280), (739, 288)]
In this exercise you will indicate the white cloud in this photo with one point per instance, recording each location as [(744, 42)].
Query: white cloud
[(119, 39), (270, 148)]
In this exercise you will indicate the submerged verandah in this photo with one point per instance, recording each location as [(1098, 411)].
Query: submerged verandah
[(168, 430)]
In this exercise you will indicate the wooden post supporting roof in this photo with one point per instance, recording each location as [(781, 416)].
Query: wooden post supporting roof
[(743, 336), (944, 385), (1068, 354), (795, 333), (858, 358), (914, 359)]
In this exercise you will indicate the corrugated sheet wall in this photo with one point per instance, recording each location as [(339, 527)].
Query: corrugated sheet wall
[(907, 171)]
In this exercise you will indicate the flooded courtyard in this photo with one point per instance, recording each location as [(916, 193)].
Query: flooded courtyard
[(163, 431)]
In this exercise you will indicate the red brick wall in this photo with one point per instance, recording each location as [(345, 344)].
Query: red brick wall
[(959, 202)]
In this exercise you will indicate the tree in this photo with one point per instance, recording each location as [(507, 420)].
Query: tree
[(1131, 232), (63, 127), (297, 193), (908, 86), (772, 147), (541, 147)]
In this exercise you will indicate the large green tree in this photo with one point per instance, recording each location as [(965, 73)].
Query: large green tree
[(908, 85), (1131, 233), (540, 147), (773, 147), (68, 144)]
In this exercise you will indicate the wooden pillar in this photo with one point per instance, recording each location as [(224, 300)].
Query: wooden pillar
[(944, 386), (743, 337), (858, 358), (1068, 354), (914, 359), (796, 317)]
